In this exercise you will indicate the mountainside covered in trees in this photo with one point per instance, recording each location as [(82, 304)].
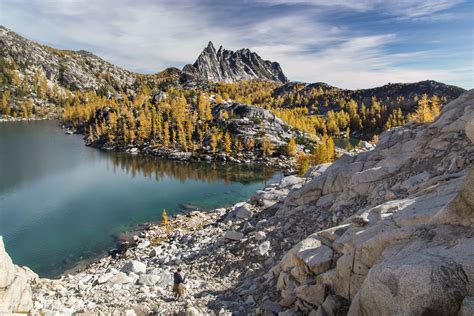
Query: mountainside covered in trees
[(186, 110), (229, 66), (394, 95)]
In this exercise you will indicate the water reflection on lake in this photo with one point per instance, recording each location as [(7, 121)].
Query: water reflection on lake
[(61, 202)]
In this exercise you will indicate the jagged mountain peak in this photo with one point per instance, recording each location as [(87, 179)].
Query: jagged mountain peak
[(210, 45), (210, 48), (228, 66)]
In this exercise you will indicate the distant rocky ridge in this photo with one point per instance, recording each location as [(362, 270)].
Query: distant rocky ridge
[(229, 66), (393, 95), (384, 232)]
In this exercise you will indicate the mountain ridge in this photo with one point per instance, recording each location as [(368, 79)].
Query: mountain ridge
[(402, 94), (228, 66), (16, 46)]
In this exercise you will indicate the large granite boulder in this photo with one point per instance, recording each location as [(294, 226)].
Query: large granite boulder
[(428, 275), (15, 290)]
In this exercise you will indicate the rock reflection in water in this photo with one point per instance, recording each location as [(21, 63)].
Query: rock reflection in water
[(158, 169)]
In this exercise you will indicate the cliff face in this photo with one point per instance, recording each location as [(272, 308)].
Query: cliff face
[(228, 66)]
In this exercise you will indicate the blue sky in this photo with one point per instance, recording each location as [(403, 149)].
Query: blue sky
[(350, 44)]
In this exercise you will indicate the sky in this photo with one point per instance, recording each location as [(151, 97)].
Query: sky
[(349, 44)]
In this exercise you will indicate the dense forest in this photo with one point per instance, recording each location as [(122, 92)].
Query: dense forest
[(162, 114)]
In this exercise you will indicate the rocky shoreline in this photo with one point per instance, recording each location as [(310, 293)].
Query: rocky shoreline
[(5, 118), (281, 162), (384, 232), (165, 247)]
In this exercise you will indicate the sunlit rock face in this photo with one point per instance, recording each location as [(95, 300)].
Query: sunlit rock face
[(228, 66), (15, 291), (407, 248)]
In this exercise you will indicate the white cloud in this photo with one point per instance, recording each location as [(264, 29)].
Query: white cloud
[(148, 36), (362, 62), (400, 8)]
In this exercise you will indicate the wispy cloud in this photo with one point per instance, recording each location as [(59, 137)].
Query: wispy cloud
[(364, 62), (346, 43), (403, 8)]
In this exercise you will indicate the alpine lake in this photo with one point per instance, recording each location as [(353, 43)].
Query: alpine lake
[(62, 203)]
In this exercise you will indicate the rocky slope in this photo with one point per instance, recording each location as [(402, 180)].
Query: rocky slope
[(408, 248), (385, 232), (228, 66), (74, 70)]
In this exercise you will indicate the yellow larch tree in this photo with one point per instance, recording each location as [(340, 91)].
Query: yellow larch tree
[(291, 147), (227, 143)]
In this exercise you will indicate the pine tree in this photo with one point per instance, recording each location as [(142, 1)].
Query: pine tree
[(321, 153), (164, 218), (435, 106), (173, 136), (16, 81), (125, 133), (225, 115), (267, 147), (331, 149), (166, 134), (181, 135), (291, 147), (204, 108), (214, 142), (144, 129), (302, 162), (43, 88), (97, 129), (219, 99), (423, 113), (5, 109), (91, 137), (227, 144), (238, 147), (250, 144)]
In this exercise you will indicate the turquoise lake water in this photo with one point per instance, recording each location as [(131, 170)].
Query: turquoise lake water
[(62, 202)]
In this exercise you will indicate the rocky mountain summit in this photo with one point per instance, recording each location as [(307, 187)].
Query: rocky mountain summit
[(384, 232), (229, 66)]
